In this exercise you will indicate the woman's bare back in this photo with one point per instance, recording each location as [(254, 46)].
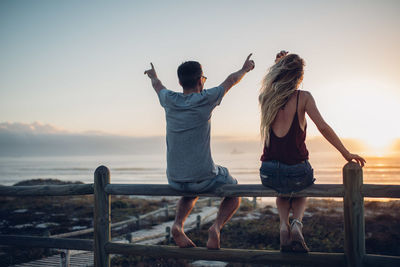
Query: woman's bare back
[(285, 116)]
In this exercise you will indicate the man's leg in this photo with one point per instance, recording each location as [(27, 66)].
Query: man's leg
[(283, 205), (185, 206), (228, 207)]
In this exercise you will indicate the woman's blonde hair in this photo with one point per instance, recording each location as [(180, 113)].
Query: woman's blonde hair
[(278, 85)]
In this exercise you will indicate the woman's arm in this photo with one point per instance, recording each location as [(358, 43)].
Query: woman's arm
[(327, 131)]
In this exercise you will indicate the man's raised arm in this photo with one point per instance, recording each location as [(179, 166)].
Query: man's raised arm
[(235, 77), (155, 82)]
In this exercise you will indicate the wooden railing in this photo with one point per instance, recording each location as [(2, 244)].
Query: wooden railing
[(352, 191)]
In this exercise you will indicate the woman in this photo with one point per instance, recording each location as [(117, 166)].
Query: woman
[(285, 165)]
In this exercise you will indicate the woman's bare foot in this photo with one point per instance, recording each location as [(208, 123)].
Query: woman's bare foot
[(213, 237), (284, 235), (180, 237), (298, 243)]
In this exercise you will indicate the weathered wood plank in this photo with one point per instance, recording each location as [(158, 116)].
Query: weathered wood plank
[(74, 233), (144, 238), (47, 190), (353, 204), (46, 242), (246, 190), (381, 261), (317, 190), (258, 190), (381, 190), (102, 219), (231, 255)]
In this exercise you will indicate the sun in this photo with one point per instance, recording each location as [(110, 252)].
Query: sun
[(377, 145), (371, 110)]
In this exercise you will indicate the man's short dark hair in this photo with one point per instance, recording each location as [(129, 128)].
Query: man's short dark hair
[(189, 74)]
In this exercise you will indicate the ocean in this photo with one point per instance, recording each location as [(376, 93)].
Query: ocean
[(150, 169)]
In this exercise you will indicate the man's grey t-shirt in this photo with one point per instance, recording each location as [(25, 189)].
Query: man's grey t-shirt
[(188, 133)]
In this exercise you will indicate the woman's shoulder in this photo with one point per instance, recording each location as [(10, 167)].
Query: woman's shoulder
[(304, 93), (305, 96)]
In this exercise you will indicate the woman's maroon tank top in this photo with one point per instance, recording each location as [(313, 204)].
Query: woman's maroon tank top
[(291, 148)]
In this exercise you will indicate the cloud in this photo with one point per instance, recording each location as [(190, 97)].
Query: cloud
[(33, 128), (36, 139)]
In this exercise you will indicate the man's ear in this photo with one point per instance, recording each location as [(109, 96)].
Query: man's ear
[(200, 84)]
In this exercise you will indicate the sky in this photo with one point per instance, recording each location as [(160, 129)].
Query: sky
[(78, 66)]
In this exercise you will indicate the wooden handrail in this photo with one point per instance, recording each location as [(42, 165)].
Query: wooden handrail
[(239, 255), (46, 242), (386, 191), (47, 190), (244, 190)]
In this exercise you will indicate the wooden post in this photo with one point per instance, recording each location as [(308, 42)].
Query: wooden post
[(209, 202), (129, 237), (63, 261), (137, 221), (198, 222), (254, 202), (47, 250), (168, 234), (102, 212), (166, 210), (353, 204), (65, 258)]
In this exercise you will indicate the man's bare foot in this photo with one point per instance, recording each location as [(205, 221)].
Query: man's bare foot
[(213, 237), (180, 237), (284, 234)]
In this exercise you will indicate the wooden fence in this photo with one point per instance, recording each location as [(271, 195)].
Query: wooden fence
[(352, 191)]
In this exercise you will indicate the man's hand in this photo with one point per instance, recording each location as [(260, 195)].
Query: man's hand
[(235, 77), (281, 55), (155, 82), (151, 72), (248, 64)]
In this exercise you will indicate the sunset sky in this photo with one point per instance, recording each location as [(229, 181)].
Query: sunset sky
[(78, 65)]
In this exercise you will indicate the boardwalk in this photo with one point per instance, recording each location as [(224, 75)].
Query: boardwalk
[(85, 259), (79, 259)]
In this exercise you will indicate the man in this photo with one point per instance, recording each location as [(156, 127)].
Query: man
[(190, 167)]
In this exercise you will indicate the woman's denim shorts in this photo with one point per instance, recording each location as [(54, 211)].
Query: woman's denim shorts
[(285, 178)]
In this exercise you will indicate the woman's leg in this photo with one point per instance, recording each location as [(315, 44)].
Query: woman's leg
[(298, 206), (283, 205)]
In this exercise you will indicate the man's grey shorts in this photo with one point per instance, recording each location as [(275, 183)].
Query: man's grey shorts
[(221, 179)]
